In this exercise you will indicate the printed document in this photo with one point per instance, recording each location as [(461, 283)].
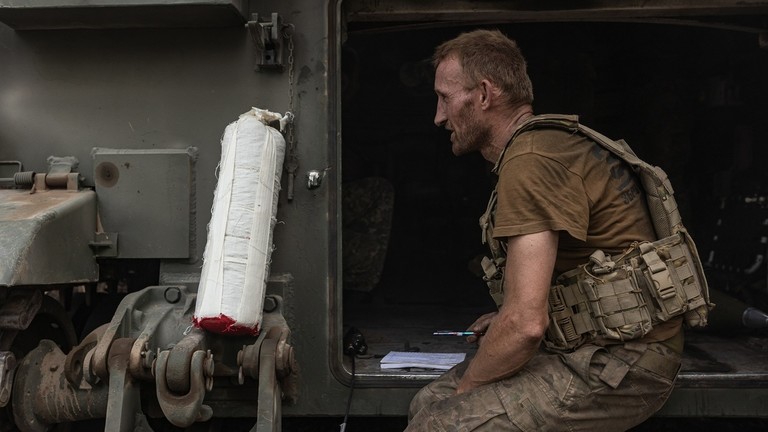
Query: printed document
[(425, 360)]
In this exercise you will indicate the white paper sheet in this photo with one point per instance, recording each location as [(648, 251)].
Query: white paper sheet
[(425, 360)]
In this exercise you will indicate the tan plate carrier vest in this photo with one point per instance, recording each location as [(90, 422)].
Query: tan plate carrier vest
[(618, 298)]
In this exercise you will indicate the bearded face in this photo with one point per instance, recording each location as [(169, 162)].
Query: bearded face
[(457, 109), (469, 134)]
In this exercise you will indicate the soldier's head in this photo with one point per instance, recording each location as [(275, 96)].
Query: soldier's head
[(489, 54), (478, 76)]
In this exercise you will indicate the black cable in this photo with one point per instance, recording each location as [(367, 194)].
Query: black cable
[(354, 344), (349, 400)]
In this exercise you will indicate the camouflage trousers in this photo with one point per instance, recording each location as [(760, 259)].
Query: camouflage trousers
[(592, 389), (366, 205)]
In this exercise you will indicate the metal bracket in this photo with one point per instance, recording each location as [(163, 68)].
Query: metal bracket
[(270, 360), (124, 400), (270, 395), (104, 244), (19, 309), (7, 369), (268, 39)]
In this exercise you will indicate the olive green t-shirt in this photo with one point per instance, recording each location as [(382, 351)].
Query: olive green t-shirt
[(550, 179)]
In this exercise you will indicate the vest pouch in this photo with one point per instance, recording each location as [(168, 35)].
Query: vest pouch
[(675, 279), (660, 199), (584, 306), (562, 332), (623, 300), (494, 277), (619, 308)]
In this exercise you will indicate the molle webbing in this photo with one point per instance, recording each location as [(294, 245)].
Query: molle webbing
[(493, 268), (623, 300)]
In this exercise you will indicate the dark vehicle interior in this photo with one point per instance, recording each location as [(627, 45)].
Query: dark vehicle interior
[(691, 99)]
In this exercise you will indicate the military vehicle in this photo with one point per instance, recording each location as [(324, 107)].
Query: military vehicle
[(111, 119)]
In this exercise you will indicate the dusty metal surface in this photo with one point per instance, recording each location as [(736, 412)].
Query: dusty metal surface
[(19, 307), (394, 327), (36, 407), (45, 237), (56, 14), (106, 376)]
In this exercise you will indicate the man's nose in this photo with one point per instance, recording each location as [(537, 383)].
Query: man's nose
[(440, 117)]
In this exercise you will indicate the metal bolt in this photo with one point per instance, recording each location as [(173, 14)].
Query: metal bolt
[(208, 365), (172, 295), (208, 368), (314, 179), (270, 304), (147, 356), (289, 360)]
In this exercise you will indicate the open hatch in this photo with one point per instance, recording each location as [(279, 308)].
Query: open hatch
[(687, 88)]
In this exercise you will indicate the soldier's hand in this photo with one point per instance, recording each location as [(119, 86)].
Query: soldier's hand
[(480, 326)]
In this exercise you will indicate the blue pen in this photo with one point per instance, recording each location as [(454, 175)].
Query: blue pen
[(457, 333)]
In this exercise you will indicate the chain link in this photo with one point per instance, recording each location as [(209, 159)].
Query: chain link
[(289, 133), (292, 160)]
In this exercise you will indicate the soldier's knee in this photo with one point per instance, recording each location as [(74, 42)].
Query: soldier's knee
[(422, 399)]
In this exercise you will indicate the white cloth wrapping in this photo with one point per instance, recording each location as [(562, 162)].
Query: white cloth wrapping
[(238, 251)]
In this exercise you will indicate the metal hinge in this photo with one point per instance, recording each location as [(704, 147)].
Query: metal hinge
[(268, 39)]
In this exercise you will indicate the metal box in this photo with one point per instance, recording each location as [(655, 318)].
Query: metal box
[(147, 198)]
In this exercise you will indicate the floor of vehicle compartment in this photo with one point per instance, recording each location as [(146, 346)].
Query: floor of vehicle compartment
[(708, 356)]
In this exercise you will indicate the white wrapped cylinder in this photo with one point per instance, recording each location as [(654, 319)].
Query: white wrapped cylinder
[(237, 254)]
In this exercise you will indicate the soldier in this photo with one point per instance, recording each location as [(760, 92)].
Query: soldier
[(559, 198)]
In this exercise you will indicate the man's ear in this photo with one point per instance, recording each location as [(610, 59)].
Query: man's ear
[(488, 94)]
